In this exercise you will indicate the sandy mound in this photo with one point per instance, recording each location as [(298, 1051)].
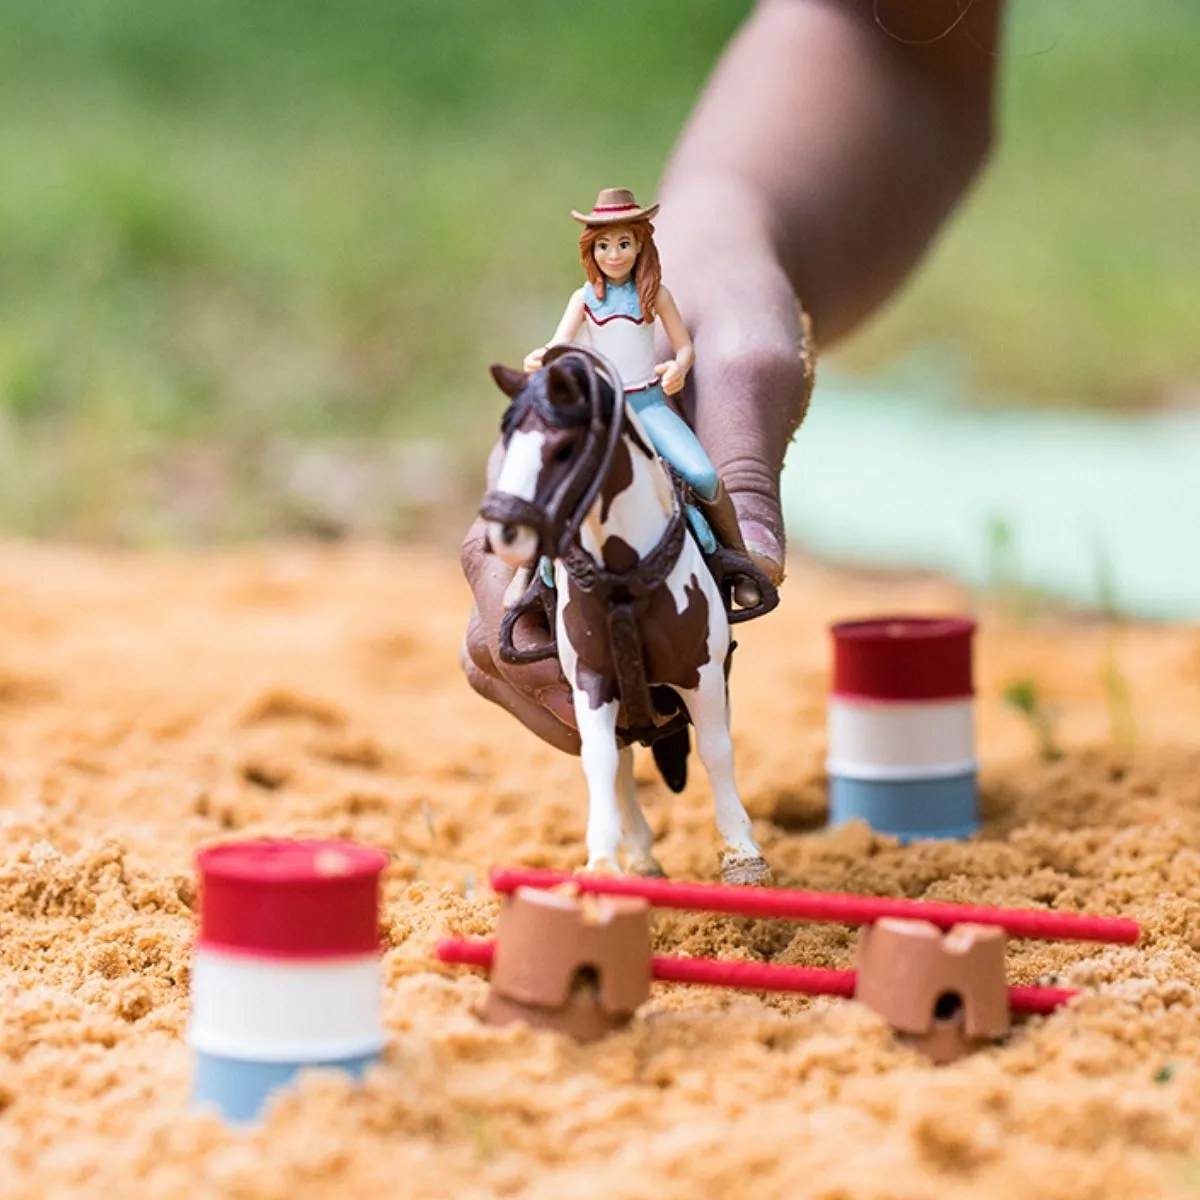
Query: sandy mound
[(150, 706)]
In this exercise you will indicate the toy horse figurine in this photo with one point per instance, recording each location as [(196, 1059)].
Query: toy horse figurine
[(641, 621)]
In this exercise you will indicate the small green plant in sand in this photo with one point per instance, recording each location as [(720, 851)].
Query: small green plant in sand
[(1117, 693), (1022, 694), (1016, 600)]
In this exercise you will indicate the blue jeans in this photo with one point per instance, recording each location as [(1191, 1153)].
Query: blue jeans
[(672, 437)]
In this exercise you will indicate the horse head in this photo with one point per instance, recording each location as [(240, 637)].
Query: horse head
[(559, 434)]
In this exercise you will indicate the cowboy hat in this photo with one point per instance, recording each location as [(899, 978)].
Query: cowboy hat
[(615, 206)]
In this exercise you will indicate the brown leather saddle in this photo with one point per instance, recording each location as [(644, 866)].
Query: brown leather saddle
[(652, 715), (620, 593)]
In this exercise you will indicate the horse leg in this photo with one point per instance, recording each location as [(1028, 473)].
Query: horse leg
[(601, 760), (708, 704), (597, 743), (636, 836)]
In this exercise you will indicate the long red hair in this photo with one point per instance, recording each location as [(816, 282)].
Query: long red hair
[(647, 270)]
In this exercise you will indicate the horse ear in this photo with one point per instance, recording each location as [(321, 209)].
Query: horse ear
[(561, 387), (509, 381)]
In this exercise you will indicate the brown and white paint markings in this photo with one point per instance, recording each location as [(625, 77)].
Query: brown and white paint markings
[(684, 629), (686, 636)]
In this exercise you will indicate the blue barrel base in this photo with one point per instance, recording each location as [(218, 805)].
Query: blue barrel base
[(240, 1089), (908, 809)]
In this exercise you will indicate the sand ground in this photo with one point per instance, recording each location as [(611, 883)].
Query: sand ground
[(149, 706)]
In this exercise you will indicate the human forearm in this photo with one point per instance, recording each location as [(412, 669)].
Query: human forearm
[(828, 145)]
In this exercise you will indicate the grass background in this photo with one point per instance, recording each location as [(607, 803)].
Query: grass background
[(254, 260)]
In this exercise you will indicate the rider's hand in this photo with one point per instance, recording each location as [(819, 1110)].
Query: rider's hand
[(533, 360), (536, 694), (673, 377)]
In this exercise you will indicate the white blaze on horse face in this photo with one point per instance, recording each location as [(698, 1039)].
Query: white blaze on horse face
[(522, 464), (515, 545)]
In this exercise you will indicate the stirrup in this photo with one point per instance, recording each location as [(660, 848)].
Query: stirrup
[(537, 595), (727, 566)]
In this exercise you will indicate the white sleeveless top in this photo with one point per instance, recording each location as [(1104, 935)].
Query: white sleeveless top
[(615, 328)]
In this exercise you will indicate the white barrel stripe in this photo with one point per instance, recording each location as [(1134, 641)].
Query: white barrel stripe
[(241, 1050), (267, 1010), (840, 769), (901, 741)]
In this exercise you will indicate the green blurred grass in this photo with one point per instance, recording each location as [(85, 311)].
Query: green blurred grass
[(226, 228), (1069, 277)]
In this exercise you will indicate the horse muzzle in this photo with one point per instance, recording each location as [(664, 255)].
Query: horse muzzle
[(513, 545), (514, 528)]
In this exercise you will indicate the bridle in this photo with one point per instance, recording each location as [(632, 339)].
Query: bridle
[(556, 519)]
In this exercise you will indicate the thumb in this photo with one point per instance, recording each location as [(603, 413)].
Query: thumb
[(752, 381)]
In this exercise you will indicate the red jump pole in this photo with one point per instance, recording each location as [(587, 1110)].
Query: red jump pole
[(794, 905), (756, 977)]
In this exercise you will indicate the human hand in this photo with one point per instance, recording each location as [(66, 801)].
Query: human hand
[(828, 182), (673, 377), (537, 694), (749, 388)]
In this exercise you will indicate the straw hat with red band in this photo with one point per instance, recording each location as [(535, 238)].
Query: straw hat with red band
[(615, 206)]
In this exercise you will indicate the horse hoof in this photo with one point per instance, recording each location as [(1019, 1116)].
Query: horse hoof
[(739, 871), (603, 866), (650, 869)]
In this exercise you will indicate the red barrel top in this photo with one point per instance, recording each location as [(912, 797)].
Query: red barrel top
[(290, 899), (902, 658)]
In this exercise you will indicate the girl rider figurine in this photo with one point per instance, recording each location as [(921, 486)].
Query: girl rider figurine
[(614, 313)]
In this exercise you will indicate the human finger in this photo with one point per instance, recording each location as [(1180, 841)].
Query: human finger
[(748, 392), (490, 579), (537, 685), (533, 715), (748, 389), (752, 382)]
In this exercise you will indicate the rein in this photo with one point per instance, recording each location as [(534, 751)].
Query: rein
[(557, 522), (557, 519), (618, 593)]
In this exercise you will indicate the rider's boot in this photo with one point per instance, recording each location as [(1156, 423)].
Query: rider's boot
[(721, 515)]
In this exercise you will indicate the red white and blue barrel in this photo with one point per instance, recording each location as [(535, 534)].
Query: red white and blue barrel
[(902, 727), (286, 972)]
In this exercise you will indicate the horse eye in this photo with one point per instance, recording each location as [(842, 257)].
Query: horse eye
[(562, 453)]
